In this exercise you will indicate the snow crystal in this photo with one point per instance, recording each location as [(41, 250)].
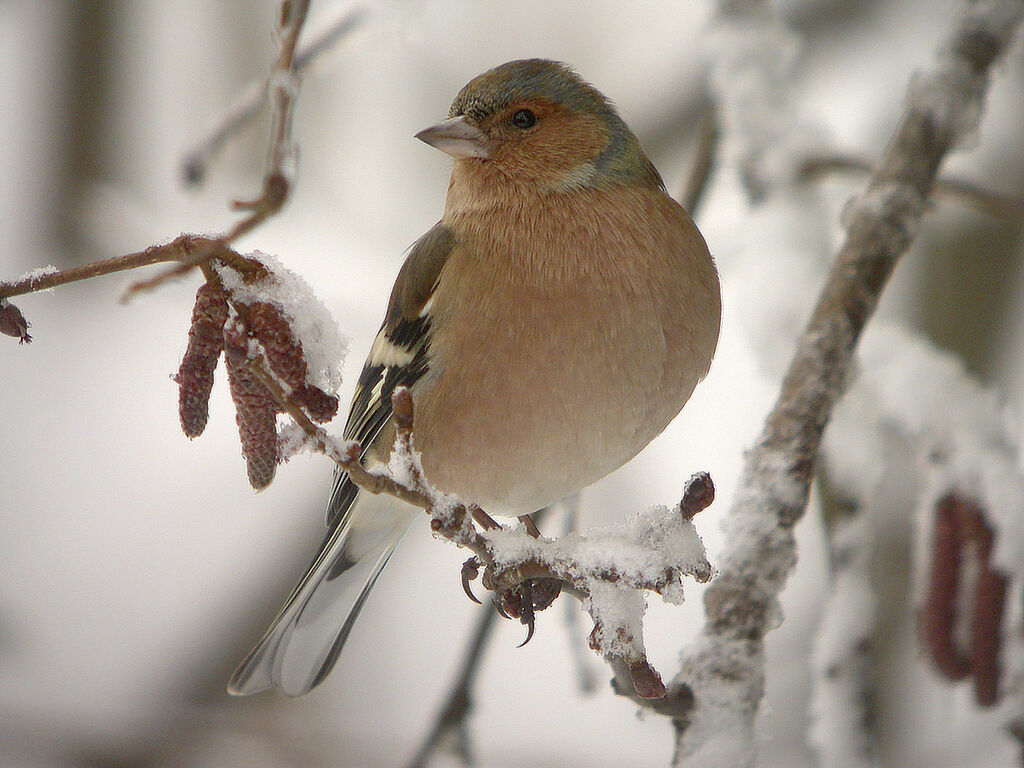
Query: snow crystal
[(34, 274), (323, 345)]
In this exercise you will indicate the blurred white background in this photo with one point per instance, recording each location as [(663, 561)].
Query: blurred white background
[(136, 568)]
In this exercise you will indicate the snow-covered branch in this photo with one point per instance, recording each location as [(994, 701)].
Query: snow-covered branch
[(725, 667)]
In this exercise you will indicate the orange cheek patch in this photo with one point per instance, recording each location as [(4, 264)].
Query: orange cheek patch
[(560, 147)]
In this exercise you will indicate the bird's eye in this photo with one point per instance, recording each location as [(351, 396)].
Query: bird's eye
[(524, 119)]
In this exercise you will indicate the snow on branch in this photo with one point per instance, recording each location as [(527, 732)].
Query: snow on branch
[(842, 705), (724, 669), (608, 569)]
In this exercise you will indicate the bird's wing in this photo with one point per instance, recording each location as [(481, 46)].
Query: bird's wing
[(304, 641), (400, 354)]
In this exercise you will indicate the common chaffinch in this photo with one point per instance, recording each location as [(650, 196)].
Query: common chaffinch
[(550, 325)]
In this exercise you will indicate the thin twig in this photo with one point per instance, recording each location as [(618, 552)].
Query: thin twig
[(451, 721), (282, 89), (191, 250), (987, 201), (703, 161), (459, 705), (725, 666), (282, 154), (247, 105), (156, 254)]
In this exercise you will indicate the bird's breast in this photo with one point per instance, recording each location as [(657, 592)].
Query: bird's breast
[(578, 334)]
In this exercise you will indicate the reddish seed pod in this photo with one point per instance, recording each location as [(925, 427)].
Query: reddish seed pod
[(646, 681), (205, 343), (987, 616), (938, 616), (287, 360), (320, 406), (270, 327), (255, 413), (13, 323)]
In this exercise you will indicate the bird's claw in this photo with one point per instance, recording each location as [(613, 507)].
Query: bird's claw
[(530, 624), (526, 613), (470, 570), (524, 600)]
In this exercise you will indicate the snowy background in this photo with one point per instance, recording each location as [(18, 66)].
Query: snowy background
[(137, 568)]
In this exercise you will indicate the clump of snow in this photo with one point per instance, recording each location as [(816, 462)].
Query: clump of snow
[(618, 615), (613, 566), (323, 345), (751, 79), (895, 211), (766, 493), (642, 549), (292, 440), (405, 467), (728, 676)]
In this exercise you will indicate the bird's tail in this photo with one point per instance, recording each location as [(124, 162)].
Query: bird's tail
[(306, 637)]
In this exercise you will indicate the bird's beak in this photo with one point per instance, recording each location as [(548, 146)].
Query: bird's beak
[(457, 137)]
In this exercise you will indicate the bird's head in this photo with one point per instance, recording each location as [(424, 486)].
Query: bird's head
[(536, 123)]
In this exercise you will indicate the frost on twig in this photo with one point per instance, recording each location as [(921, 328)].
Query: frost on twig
[(725, 666)]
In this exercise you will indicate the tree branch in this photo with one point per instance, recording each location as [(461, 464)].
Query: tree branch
[(725, 667), (189, 251), (987, 201), (247, 104)]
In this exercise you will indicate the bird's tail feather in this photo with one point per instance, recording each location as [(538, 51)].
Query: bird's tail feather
[(307, 635)]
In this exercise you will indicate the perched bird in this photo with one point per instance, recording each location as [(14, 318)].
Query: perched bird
[(551, 324)]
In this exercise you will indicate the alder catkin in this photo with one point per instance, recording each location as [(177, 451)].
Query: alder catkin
[(255, 410), (287, 360), (205, 343)]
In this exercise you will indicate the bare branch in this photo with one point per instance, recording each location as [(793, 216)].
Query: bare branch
[(189, 251), (703, 160), (725, 667), (248, 103), (451, 722), (176, 250), (992, 203)]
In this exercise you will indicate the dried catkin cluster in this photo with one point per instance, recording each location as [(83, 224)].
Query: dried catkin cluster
[(245, 332)]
